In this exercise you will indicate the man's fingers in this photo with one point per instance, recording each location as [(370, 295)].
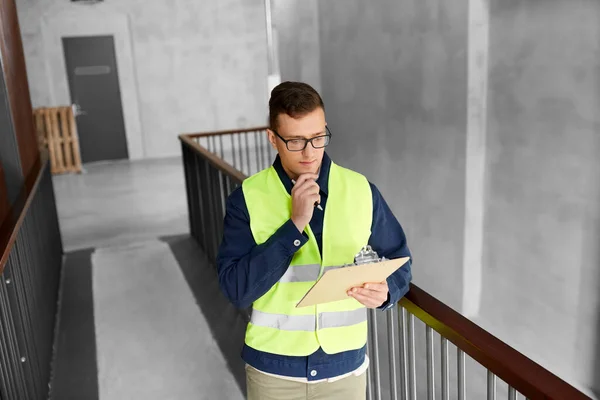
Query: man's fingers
[(374, 294), (365, 300), (379, 287), (305, 177), (309, 187), (304, 181)]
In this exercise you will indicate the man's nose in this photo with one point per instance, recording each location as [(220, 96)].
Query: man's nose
[(308, 150)]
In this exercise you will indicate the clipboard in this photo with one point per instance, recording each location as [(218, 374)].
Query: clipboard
[(334, 284)]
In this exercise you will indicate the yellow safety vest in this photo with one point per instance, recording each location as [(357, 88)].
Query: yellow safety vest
[(276, 325)]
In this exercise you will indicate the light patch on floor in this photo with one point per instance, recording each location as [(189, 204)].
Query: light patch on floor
[(152, 340), (121, 202)]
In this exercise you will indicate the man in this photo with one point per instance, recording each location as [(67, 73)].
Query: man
[(282, 228)]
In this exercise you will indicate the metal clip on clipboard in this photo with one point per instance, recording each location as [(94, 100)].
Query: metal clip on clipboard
[(366, 255)]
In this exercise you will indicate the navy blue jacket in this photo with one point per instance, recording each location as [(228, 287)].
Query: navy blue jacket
[(247, 271)]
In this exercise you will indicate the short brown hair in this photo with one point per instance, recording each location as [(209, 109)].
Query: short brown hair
[(295, 99)]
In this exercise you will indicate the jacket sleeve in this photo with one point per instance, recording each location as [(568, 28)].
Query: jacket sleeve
[(389, 241), (247, 270)]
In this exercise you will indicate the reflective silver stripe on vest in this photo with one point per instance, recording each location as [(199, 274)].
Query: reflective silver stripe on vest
[(301, 273), (283, 322), (336, 319)]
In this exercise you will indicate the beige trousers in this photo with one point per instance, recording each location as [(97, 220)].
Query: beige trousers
[(260, 386)]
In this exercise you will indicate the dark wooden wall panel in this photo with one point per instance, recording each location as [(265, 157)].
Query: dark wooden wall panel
[(17, 87), (9, 149), (4, 204)]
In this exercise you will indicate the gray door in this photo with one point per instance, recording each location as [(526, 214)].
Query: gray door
[(94, 86)]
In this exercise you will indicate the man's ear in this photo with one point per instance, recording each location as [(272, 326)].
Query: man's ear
[(272, 138)]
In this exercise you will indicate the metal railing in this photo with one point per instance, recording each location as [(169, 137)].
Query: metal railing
[(30, 262), (406, 352)]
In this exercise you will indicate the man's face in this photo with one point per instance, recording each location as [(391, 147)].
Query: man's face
[(296, 163)]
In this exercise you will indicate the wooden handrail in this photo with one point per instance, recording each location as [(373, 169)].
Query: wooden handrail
[(514, 368), (227, 132), (13, 221), (215, 160)]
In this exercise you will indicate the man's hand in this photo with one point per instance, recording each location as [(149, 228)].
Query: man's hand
[(304, 195), (371, 295)]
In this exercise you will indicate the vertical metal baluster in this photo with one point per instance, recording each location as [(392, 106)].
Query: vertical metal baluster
[(260, 150), (391, 333), (375, 355), (369, 374), (445, 371), (205, 204), (186, 175), (238, 154), (209, 209), (239, 143), (403, 352), (252, 158), (196, 196), (256, 151), (211, 144), (233, 151), (412, 372), (248, 171), (491, 386), (512, 393), (430, 364), (370, 382), (216, 205), (226, 190), (221, 147), (197, 165), (461, 374), (219, 207)]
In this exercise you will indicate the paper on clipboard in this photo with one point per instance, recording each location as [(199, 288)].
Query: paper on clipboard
[(335, 283)]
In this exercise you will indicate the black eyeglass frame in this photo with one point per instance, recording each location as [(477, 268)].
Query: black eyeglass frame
[(306, 141)]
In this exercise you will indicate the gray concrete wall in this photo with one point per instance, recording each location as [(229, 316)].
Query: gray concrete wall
[(184, 66), (542, 229), (296, 31), (394, 82), (396, 76)]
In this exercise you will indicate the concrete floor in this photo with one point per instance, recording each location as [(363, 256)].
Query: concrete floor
[(152, 339), (121, 202)]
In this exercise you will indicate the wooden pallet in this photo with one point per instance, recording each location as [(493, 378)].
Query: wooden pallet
[(57, 131)]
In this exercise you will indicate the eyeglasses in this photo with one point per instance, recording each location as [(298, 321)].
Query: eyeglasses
[(318, 142)]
